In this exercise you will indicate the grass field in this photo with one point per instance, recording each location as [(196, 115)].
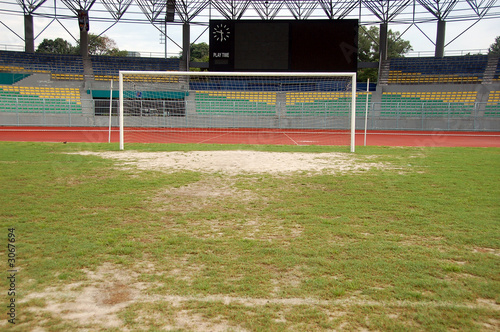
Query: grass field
[(102, 244)]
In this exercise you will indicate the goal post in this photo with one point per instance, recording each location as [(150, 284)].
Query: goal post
[(155, 105)]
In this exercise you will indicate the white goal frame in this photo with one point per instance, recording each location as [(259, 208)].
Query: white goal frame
[(352, 76)]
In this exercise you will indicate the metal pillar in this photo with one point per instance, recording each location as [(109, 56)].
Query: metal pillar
[(84, 44), (29, 39), (166, 39), (83, 24), (186, 46), (383, 41), (440, 39)]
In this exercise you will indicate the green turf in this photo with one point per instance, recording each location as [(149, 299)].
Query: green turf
[(411, 247)]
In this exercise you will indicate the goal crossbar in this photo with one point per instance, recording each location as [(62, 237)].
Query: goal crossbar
[(188, 74)]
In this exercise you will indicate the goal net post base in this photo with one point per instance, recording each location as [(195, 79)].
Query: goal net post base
[(153, 105)]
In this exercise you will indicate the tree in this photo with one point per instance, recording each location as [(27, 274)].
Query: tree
[(198, 52), (495, 47), (98, 45), (103, 45), (56, 46), (368, 44), (117, 52), (368, 49)]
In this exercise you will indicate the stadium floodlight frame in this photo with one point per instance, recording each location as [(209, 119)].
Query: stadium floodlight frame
[(352, 75)]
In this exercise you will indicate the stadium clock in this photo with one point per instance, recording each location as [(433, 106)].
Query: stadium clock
[(221, 32)]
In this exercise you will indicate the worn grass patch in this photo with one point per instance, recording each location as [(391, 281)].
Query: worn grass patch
[(103, 245)]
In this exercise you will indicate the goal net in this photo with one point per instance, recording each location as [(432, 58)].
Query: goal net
[(237, 107)]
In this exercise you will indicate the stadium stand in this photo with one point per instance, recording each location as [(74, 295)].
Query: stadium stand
[(435, 103), (71, 67), (69, 77), (457, 92), (235, 102), (444, 92), (106, 68), (11, 78), (39, 99), (496, 74), (493, 106), (313, 103), (427, 70), (41, 63)]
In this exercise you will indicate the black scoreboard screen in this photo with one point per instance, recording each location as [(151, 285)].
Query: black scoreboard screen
[(284, 45)]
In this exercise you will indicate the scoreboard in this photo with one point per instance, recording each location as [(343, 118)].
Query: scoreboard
[(283, 45)]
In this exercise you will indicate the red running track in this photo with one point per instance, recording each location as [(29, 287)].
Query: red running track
[(251, 136)]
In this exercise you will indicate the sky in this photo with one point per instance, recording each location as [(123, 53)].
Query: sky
[(465, 35)]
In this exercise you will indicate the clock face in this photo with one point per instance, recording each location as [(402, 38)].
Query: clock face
[(221, 32)]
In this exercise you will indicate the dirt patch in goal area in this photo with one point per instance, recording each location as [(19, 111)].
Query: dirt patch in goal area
[(237, 162)]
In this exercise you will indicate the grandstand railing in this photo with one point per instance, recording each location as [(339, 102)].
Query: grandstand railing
[(475, 51), (389, 109), (381, 116), (156, 54)]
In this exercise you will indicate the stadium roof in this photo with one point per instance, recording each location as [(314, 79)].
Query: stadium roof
[(199, 12)]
